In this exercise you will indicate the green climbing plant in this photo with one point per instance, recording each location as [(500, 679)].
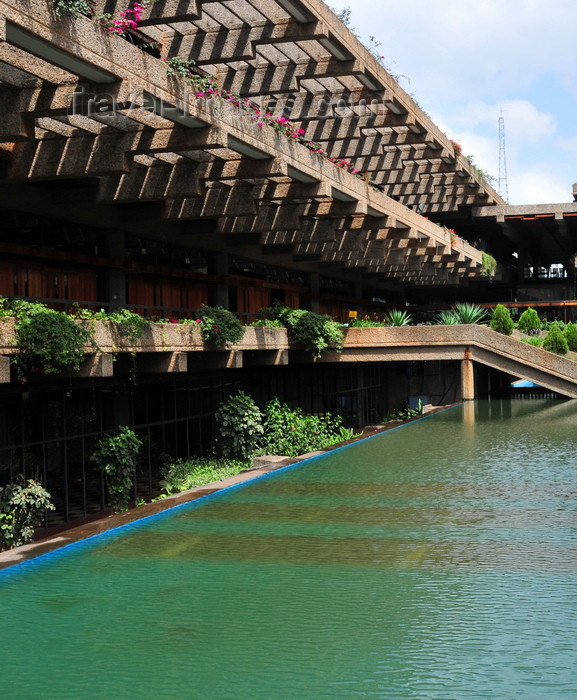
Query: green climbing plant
[(116, 455), (240, 428), (48, 341), (488, 265)]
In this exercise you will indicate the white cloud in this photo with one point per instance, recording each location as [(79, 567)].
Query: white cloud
[(541, 184), (466, 61), (523, 121), (466, 48)]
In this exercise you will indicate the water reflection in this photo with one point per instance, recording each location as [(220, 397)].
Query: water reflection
[(438, 560)]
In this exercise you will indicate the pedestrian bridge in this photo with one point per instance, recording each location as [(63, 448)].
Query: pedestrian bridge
[(179, 348), (467, 343)]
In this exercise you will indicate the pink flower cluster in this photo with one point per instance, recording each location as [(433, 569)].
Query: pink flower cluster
[(119, 26)]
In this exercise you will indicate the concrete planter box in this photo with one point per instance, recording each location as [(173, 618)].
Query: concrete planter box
[(158, 337), (177, 337)]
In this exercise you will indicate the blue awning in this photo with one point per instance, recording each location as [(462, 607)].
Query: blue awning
[(524, 384)]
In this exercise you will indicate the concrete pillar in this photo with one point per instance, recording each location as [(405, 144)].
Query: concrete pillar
[(218, 265), (467, 377), (314, 284), (112, 282)]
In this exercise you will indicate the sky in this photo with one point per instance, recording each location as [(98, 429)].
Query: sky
[(464, 62)]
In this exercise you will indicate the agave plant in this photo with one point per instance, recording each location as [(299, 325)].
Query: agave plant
[(447, 318), (398, 317), (470, 313)]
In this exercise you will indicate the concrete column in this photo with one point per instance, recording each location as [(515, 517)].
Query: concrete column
[(112, 282), (218, 265), (467, 377), (314, 284)]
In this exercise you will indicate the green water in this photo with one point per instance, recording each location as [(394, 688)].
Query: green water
[(434, 561)]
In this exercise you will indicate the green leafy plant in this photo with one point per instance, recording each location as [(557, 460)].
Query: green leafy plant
[(22, 507), (555, 341), (72, 8), (446, 317), (219, 326), (128, 325), (529, 322), (533, 340), (240, 427), (181, 475), (288, 432), (481, 174), (488, 265), (501, 320), (405, 413), (570, 333), (398, 317), (312, 331), (186, 70), (470, 313), (115, 455), (49, 341), (366, 322)]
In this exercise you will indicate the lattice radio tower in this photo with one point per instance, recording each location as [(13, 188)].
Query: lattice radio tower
[(502, 187)]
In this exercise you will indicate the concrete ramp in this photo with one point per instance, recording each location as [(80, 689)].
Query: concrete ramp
[(461, 342)]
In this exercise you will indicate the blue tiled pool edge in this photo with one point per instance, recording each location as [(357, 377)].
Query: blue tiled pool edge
[(17, 568)]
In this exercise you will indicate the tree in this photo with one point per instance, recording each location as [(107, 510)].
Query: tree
[(501, 320), (556, 341), (570, 333), (529, 322)]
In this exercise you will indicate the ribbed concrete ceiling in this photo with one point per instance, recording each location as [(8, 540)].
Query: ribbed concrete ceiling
[(261, 190)]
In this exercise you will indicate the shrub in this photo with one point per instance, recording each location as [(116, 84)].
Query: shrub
[(446, 318), (405, 413), (245, 431), (116, 455), (182, 475), (570, 333), (398, 317), (239, 427), (555, 341), (533, 340), (501, 320), (288, 432), (529, 322), (219, 326), (22, 506), (312, 331), (49, 341), (470, 313)]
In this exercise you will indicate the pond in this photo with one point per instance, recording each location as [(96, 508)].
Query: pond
[(437, 560)]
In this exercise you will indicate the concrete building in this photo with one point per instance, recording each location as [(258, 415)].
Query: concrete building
[(301, 173)]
